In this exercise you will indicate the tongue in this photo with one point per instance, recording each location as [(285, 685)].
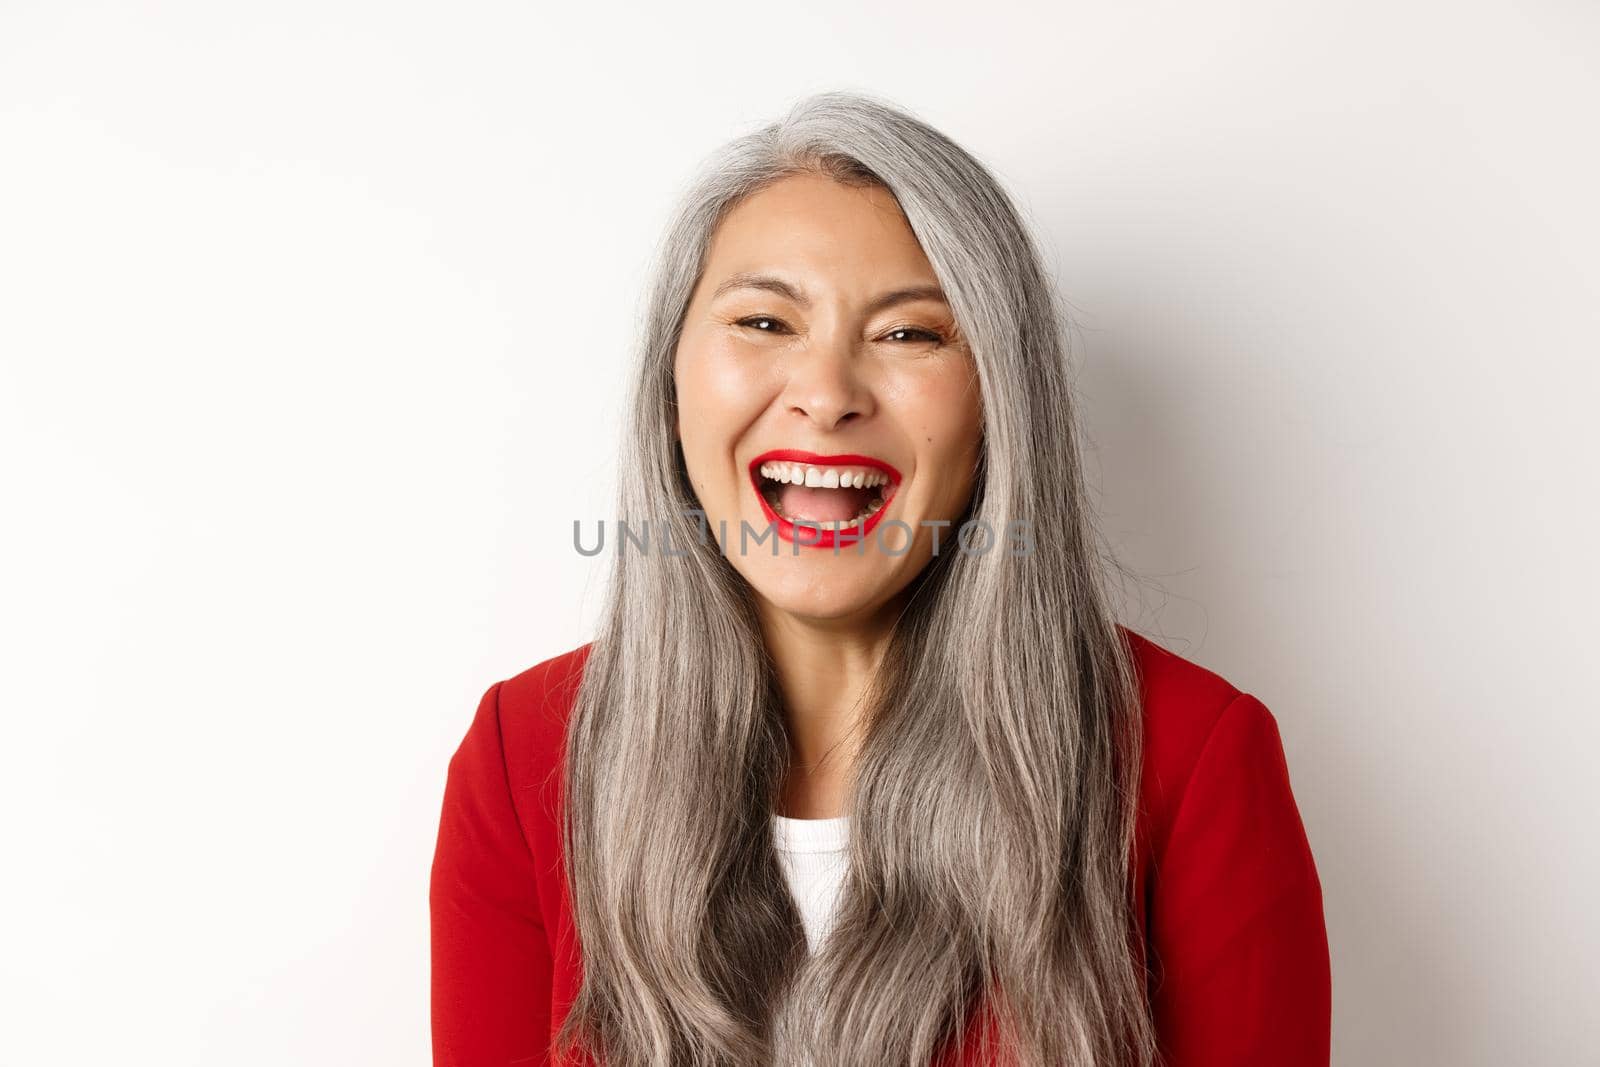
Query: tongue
[(823, 505)]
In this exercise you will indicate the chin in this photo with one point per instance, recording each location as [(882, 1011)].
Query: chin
[(817, 594)]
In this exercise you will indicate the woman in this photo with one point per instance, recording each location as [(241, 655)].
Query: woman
[(1056, 842)]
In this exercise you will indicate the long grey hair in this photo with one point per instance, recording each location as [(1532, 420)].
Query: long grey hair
[(993, 804)]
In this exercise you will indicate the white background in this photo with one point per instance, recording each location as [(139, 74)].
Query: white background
[(315, 319)]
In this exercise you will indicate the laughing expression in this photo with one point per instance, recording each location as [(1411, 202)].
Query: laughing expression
[(825, 393)]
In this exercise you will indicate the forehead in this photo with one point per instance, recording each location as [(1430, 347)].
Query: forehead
[(814, 226)]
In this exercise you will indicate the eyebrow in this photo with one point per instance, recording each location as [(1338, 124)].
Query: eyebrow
[(773, 284)]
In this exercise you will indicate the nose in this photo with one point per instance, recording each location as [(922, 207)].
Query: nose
[(825, 387)]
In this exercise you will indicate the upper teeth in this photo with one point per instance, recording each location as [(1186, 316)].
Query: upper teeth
[(824, 477)]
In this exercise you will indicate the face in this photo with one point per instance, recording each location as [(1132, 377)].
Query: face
[(821, 378)]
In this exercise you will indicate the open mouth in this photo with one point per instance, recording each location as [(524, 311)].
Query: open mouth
[(830, 494)]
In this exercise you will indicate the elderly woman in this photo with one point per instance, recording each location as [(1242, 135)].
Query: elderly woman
[(860, 768)]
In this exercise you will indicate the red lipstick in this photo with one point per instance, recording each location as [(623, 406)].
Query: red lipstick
[(810, 536)]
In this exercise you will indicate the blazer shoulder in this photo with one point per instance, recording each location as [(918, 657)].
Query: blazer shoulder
[(1182, 702), (1176, 690), (534, 707), (546, 690)]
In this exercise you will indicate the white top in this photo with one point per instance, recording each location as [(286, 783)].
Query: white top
[(813, 853)]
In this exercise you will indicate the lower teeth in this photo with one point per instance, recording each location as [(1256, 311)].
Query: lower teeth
[(837, 525)]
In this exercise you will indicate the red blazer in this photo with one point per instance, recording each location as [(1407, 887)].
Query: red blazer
[(1229, 905)]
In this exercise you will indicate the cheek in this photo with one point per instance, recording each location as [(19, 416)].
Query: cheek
[(719, 395), (715, 384), (945, 410)]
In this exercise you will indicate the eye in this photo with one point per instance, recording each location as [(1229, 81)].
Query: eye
[(917, 333), (771, 325)]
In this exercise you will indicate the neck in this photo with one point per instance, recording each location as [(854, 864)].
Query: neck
[(825, 669)]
